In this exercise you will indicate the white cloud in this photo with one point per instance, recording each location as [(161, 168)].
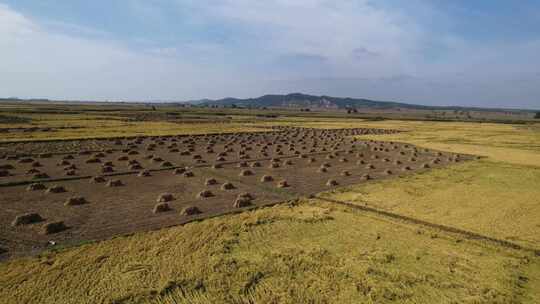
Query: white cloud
[(13, 24), (330, 29), (38, 63), (315, 46)]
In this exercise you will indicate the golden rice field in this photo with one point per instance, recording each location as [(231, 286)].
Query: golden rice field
[(312, 251), (495, 199), (97, 126)]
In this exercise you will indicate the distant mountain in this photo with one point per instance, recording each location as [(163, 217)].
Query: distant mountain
[(11, 99), (299, 100)]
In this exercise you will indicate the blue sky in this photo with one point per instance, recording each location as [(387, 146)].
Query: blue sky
[(438, 52)]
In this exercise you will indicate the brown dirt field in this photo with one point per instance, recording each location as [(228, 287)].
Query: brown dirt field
[(112, 211)]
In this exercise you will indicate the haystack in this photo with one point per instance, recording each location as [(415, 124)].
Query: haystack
[(53, 227), (210, 182), (27, 218), (135, 167), (242, 202), (107, 169), (97, 179), (75, 200), (179, 171), (227, 186), (205, 194), (115, 183), (331, 182), (36, 187), (166, 164), (161, 207), (283, 184), (144, 173), (246, 173), (266, 178), (190, 210), (56, 189)]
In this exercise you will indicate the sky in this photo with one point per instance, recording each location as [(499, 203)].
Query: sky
[(436, 52)]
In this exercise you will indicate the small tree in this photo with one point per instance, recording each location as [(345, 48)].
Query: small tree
[(537, 115)]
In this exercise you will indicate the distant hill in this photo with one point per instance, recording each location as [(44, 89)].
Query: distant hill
[(293, 100), (14, 99), (299, 100)]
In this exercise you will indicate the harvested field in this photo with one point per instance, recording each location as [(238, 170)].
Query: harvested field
[(269, 152), (435, 230), (105, 197)]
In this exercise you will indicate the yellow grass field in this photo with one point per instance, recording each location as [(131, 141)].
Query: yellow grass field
[(498, 196), (516, 144), (97, 126), (494, 199), (318, 252), (309, 253)]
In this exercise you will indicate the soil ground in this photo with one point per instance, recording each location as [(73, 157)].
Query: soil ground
[(297, 156)]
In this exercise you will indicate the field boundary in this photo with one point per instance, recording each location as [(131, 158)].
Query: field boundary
[(72, 243), (449, 229), (377, 212)]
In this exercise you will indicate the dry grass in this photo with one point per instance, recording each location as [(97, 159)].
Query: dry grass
[(102, 128), (104, 121), (310, 253), (517, 144), (495, 199), (498, 196)]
